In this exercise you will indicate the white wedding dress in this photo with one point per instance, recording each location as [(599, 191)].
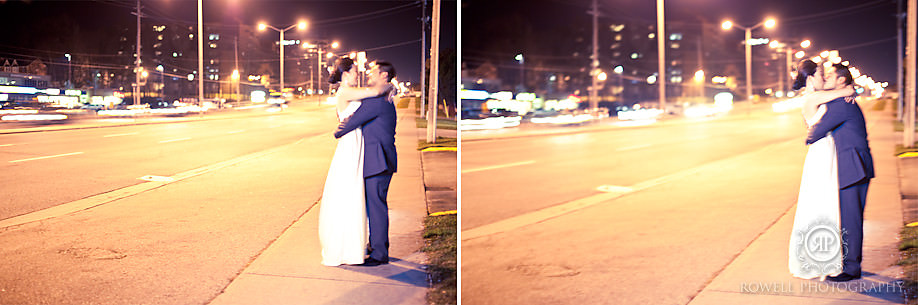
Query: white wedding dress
[(815, 243), (343, 212)]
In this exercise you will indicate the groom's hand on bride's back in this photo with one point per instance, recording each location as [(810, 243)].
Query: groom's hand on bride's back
[(340, 131)]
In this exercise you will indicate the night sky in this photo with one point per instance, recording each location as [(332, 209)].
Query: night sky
[(863, 31), (393, 35)]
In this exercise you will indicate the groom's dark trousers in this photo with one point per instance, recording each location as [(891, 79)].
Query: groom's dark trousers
[(852, 200), (376, 116), (377, 188), (855, 168)]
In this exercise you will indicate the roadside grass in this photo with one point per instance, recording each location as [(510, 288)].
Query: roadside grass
[(441, 245), (909, 262), (441, 142), (442, 123), (899, 126), (880, 104), (404, 102)]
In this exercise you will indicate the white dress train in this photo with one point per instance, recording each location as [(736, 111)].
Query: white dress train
[(815, 242), (343, 213)]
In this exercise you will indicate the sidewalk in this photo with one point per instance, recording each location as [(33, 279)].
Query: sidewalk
[(758, 275), (288, 271)]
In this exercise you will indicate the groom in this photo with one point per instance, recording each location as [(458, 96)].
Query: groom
[(377, 117), (855, 167)]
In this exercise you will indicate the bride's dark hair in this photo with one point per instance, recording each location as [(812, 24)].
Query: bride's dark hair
[(804, 69), (343, 64)]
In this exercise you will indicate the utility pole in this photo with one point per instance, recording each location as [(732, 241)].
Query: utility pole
[(786, 86), (137, 61), (434, 73), (594, 59), (423, 54), (318, 71), (909, 134), (201, 73), (900, 18), (238, 74), (661, 49), (701, 62)]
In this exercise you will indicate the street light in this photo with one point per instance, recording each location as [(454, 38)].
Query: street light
[(805, 44), (318, 48), (162, 80), (301, 26), (519, 58), (769, 23), (69, 72)]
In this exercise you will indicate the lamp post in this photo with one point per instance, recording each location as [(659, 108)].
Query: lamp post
[(318, 48), (69, 71), (769, 23), (519, 58), (162, 84), (262, 26), (621, 86), (789, 54)]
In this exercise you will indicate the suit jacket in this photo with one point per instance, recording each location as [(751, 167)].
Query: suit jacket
[(377, 117), (846, 122)]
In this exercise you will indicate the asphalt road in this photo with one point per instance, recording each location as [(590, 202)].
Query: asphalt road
[(43, 169), (693, 194), (180, 243)]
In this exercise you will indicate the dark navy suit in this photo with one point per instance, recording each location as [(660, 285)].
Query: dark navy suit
[(855, 169), (377, 117)]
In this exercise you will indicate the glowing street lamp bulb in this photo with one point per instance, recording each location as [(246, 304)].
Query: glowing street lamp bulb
[(330, 55), (262, 26), (144, 74), (335, 45), (824, 54), (770, 23), (799, 54), (805, 44), (618, 69), (774, 44), (727, 25), (602, 76), (699, 76), (301, 25)]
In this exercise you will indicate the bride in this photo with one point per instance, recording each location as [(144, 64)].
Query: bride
[(815, 244), (343, 214)]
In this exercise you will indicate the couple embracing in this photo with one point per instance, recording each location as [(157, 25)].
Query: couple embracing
[(827, 237), (354, 196)]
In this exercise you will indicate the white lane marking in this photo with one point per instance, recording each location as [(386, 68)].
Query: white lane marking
[(100, 199), (236, 131), (47, 157), (174, 140), (121, 134), (614, 189), (609, 193), (498, 166), (634, 147), (157, 178), (6, 145)]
